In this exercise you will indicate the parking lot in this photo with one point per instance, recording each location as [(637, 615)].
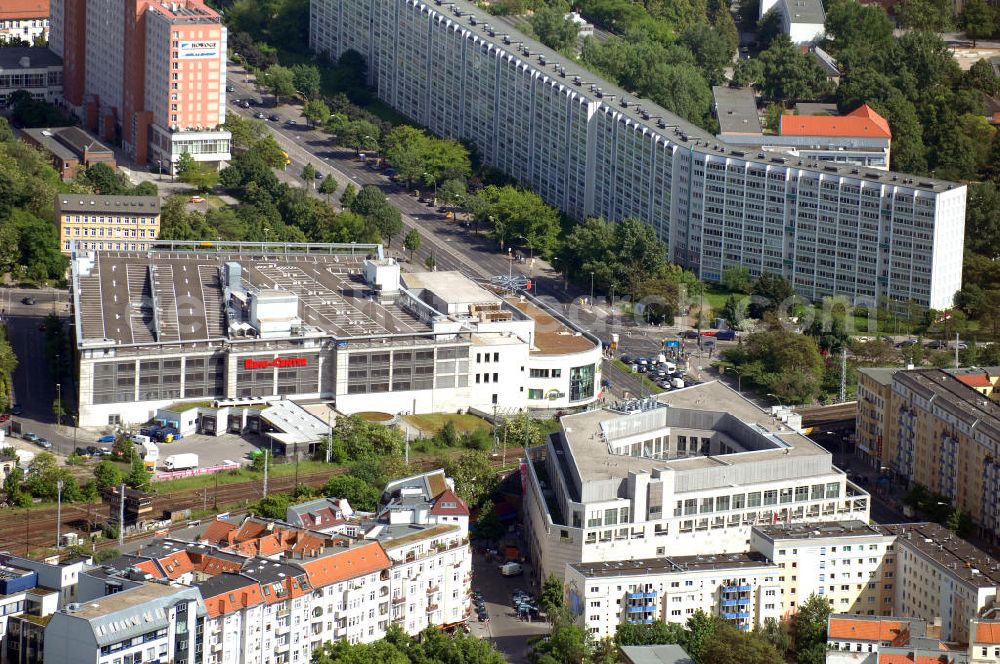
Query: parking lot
[(211, 450)]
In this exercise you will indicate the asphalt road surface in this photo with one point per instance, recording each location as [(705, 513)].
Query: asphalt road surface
[(34, 387)]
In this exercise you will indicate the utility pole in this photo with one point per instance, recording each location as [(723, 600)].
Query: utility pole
[(59, 488), (956, 350), (215, 497), (266, 459), (843, 375), (58, 404), (121, 516), (329, 436)]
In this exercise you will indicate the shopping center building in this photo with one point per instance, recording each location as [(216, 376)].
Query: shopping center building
[(312, 322)]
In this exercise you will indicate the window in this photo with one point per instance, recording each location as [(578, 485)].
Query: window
[(536, 394)]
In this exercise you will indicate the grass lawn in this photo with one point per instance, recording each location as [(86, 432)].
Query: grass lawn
[(433, 422), (242, 475), (715, 296)]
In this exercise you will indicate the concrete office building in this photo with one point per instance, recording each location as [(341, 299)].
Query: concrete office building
[(26, 20), (38, 71), (939, 428), (674, 476), (147, 623), (95, 222), (148, 72), (263, 322), (594, 150), (740, 588)]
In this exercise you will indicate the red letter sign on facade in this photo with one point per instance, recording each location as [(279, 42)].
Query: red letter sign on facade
[(280, 362)]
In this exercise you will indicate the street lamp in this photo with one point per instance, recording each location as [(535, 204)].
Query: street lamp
[(739, 379), (776, 398)]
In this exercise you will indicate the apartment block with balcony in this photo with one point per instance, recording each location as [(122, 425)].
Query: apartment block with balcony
[(850, 564), (674, 476), (740, 588), (592, 149), (937, 428)]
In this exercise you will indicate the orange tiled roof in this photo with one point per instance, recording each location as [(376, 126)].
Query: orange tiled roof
[(988, 632), (895, 658), (862, 122), (229, 601), (348, 564), (21, 9), (149, 567), (854, 629), (975, 380)]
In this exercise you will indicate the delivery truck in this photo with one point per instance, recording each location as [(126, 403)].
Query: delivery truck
[(150, 453), (181, 461)]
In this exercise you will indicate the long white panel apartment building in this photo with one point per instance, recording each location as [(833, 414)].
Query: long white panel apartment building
[(740, 588), (674, 476), (593, 150)]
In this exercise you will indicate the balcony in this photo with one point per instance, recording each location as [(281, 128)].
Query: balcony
[(736, 602), (398, 600), (737, 589), (646, 608), (433, 589), (735, 615), (643, 621), (431, 608), (650, 595)]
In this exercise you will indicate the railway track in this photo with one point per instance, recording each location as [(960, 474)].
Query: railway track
[(23, 531)]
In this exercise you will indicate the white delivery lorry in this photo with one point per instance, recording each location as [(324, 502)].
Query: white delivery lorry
[(511, 569), (181, 461), (150, 453)]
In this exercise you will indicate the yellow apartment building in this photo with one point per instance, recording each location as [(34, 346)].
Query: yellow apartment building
[(116, 223), (937, 428)]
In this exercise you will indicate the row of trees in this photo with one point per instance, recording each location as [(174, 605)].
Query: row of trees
[(432, 646), (711, 640)]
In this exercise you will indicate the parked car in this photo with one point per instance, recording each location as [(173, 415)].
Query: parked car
[(689, 334), (906, 343), (259, 115), (319, 176), (273, 117), (29, 436), (16, 409), (291, 122), (725, 335), (230, 88), (107, 438), (245, 104), (41, 442), (82, 451), (936, 344), (28, 300)]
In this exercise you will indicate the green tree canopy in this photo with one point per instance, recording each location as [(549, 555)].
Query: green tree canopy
[(550, 25), (360, 494)]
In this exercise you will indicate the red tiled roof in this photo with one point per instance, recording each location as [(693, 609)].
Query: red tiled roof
[(853, 629), (448, 503), (895, 658), (347, 564), (20, 9), (988, 632), (218, 532), (862, 122)]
